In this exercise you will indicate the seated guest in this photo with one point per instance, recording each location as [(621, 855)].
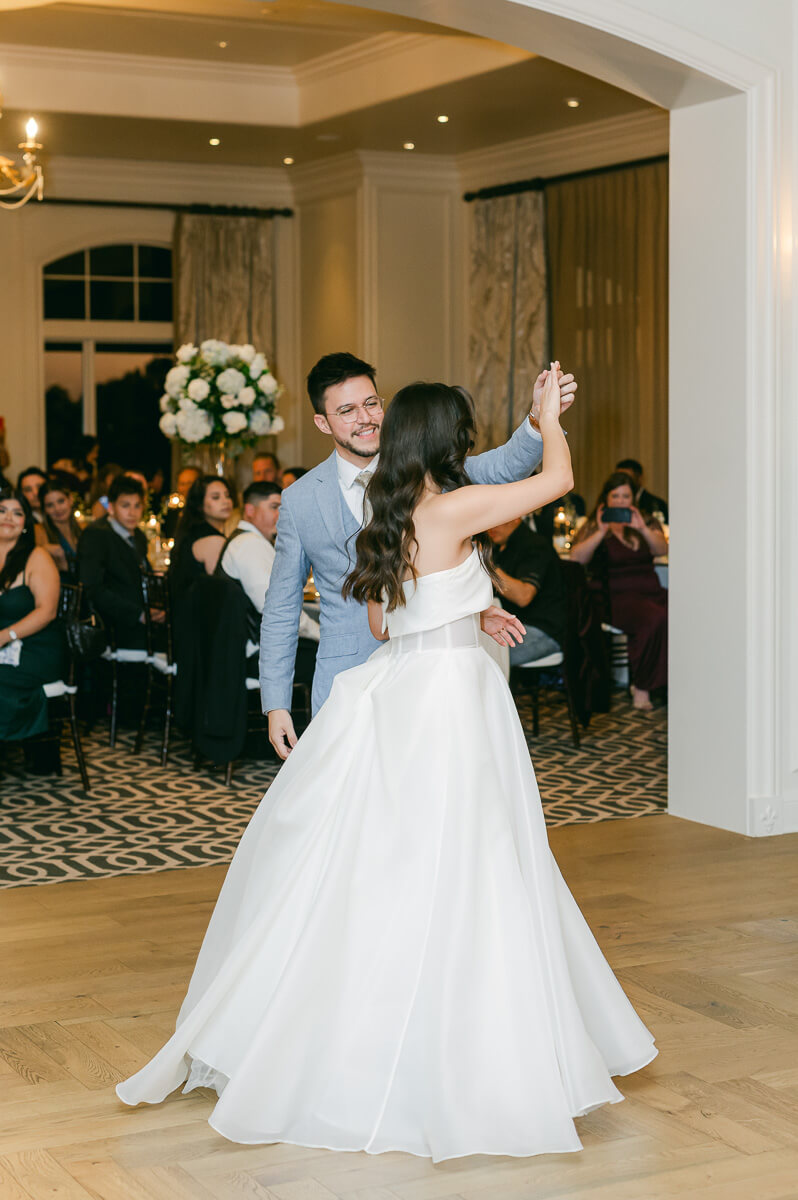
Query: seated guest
[(531, 586), (60, 527), (200, 534), (649, 504), (248, 554), (622, 557), (265, 468), (186, 477), (28, 482), (31, 642), (112, 554), (291, 474)]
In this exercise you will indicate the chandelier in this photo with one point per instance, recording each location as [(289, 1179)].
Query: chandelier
[(19, 185)]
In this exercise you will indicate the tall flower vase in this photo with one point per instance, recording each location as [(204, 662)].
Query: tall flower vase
[(214, 458)]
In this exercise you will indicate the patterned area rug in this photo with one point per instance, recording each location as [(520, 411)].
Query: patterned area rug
[(139, 818)]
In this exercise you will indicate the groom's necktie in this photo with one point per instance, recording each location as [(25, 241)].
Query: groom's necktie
[(363, 480)]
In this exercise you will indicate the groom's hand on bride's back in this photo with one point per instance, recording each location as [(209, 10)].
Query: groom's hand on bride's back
[(281, 731), (568, 386)]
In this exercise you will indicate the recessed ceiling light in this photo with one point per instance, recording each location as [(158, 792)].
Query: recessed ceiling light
[(222, 45), (572, 102), (408, 145), (442, 119), (214, 141), (289, 162)]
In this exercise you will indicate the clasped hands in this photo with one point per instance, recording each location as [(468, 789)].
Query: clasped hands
[(568, 386)]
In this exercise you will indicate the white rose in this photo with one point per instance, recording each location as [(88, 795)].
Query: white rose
[(187, 406), (259, 422), (246, 396), (257, 366), (186, 352), (198, 389), (165, 402), (246, 353), (230, 381), (176, 380), (214, 352), (268, 384), (168, 424), (234, 422), (228, 401), (278, 425)]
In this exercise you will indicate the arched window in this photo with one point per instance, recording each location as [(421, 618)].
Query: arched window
[(110, 283), (108, 344)]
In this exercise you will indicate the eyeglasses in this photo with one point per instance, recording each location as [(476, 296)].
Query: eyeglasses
[(348, 414)]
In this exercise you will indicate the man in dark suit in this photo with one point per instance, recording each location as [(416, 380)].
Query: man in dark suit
[(112, 554), (647, 502)]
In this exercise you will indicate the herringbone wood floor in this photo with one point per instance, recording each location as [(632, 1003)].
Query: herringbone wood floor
[(700, 926)]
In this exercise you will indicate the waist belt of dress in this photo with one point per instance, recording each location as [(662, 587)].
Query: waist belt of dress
[(456, 635)]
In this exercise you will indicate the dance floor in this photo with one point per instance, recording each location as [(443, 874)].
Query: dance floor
[(141, 818), (701, 927)]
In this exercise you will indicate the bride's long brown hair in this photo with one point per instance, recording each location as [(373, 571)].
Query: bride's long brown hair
[(428, 430)]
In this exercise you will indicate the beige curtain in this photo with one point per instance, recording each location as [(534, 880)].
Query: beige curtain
[(607, 240), (225, 278), (508, 329)]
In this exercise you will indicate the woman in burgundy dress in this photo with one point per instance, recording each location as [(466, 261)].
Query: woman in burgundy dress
[(638, 602)]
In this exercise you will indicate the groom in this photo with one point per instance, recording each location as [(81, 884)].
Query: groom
[(320, 518)]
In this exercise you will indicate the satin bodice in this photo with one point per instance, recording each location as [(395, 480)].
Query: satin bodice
[(441, 598)]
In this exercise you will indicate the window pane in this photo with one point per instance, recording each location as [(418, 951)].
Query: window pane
[(111, 301), (155, 262), (73, 264), (111, 260), (63, 387), (64, 298), (129, 387), (155, 301)]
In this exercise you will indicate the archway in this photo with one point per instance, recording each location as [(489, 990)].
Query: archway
[(724, 320)]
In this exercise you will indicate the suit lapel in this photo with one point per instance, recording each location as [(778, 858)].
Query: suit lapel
[(330, 501)]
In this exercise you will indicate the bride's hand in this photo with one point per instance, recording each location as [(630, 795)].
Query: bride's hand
[(502, 626)]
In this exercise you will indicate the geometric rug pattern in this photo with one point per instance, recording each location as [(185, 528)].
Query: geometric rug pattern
[(140, 818)]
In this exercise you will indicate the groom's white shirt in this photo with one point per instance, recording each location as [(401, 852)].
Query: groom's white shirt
[(352, 491)]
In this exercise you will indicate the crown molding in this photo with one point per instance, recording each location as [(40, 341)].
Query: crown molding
[(141, 85), (421, 172), (338, 175), (367, 52), (44, 58), (598, 144), (167, 183)]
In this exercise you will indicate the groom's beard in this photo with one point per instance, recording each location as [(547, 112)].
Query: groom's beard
[(355, 446)]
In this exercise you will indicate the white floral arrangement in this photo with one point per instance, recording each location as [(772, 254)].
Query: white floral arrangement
[(220, 393)]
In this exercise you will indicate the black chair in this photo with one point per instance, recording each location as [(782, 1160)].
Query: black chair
[(161, 664), (65, 688), (527, 676)]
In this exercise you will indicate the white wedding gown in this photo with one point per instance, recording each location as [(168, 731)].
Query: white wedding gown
[(394, 961)]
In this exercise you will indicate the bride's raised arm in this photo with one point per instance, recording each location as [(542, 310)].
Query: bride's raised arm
[(478, 507)]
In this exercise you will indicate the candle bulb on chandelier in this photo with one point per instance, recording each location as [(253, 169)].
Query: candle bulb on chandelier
[(31, 129)]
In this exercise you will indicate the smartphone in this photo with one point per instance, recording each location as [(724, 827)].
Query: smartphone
[(618, 516)]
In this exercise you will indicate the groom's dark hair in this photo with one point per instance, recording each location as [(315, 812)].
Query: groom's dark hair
[(333, 369)]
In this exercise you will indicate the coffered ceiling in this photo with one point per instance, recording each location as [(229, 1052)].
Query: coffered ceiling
[(273, 79)]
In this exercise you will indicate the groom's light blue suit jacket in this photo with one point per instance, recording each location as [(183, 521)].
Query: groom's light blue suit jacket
[(316, 528)]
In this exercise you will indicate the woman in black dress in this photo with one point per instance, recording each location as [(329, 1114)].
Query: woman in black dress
[(31, 643), (59, 527), (200, 535)]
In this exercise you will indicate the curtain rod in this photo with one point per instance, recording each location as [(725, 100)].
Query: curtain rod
[(540, 183), (205, 210)]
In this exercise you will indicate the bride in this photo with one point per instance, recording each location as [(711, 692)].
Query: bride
[(394, 961)]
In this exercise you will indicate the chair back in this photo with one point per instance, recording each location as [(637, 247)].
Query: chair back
[(70, 600), (158, 595)]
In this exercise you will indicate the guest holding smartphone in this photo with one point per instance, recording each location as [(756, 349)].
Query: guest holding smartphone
[(621, 547)]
